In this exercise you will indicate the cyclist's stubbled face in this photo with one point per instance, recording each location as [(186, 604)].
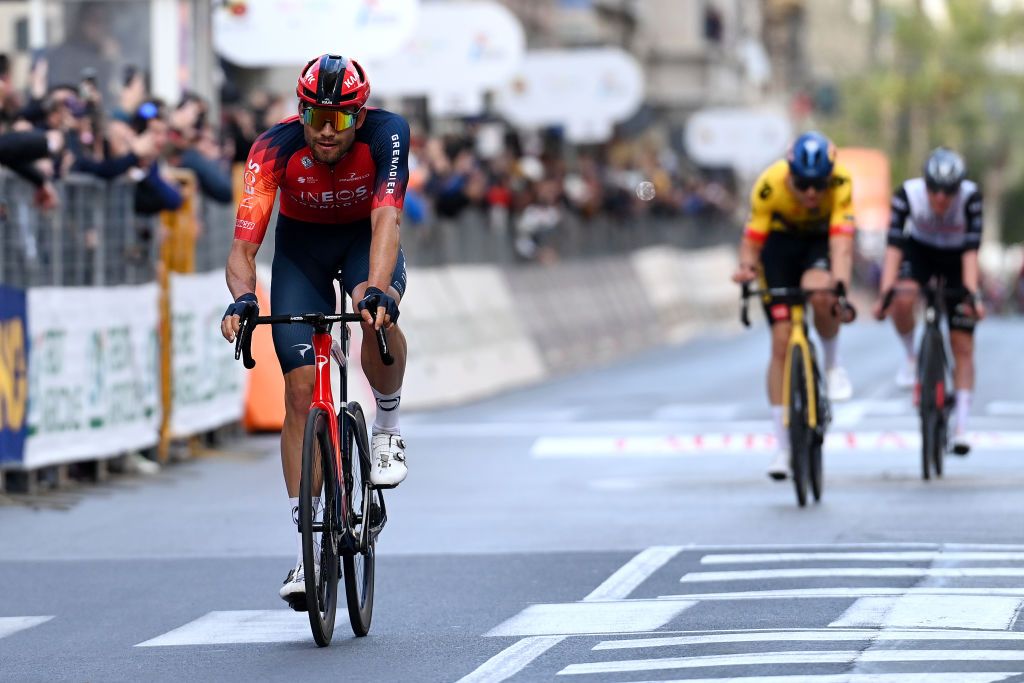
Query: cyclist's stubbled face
[(328, 144), (810, 197)]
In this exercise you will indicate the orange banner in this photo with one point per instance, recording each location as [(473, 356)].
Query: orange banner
[(872, 186)]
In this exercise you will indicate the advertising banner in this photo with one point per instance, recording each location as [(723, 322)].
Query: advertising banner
[(93, 372), (208, 384), (585, 90), (14, 349), (291, 32), (458, 51)]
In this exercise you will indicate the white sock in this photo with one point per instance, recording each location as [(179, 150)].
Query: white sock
[(293, 514), (963, 408), (387, 411), (781, 433), (908, 344), (831, 348)]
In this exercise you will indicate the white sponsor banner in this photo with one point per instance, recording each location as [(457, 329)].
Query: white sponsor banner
[(745, 139), (207, 383), (457, 49), (94, 372), (291, 32), (584, 90)]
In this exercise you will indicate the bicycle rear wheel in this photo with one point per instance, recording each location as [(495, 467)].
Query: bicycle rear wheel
[(363, 511), (318, 521), (799, 433), (939, 452)]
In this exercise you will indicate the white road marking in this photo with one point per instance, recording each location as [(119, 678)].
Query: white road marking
[(580, 618), (618, 586), (947, 611), (624, 581), (236, 627), (1005, 408), (962, 677), (761, 659), (855, 572), (511, 660), (808, 636), (11, 625), (669, 445), (790, 593), (880, 556)]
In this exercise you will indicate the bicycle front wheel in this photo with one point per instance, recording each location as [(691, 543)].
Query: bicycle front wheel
[(318, 520), (800, 435), (363, 513), (931, 383)]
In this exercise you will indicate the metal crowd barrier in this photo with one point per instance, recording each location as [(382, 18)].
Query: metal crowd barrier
[(92, 238)]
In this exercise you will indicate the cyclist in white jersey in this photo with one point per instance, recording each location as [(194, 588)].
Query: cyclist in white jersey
[(936, 230)]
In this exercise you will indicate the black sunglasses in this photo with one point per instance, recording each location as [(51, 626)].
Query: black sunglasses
[(804, 184), (943, 189)]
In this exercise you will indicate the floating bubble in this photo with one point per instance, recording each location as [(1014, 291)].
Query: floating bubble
[(645, 191)]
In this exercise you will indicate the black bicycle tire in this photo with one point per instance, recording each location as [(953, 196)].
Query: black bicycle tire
[(930, 376), (322, 590), (939, 452), (799, 432), (359, 566)]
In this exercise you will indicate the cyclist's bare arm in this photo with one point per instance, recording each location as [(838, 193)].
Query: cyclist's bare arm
[(241, 278), (384, 223), (890, 268), (972, 279), (750, 256), (841, 253)]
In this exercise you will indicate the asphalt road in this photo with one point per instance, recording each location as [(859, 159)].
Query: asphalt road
[(614, 525)]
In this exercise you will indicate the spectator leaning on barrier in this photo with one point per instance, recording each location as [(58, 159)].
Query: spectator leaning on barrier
[(153, 192), (18, 151)]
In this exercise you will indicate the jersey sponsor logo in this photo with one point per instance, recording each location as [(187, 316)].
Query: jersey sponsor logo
[(250, 173), (303, 179), (765, 192), (248, 202), (396, 151), (334, 197), (242, 224), (779, 312), (303, 348), (353, 176), (306, 162)]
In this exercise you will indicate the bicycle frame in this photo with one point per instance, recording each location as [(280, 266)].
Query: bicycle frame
[(798, 339), (324, 399)]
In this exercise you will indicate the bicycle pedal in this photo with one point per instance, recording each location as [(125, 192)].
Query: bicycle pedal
[(298, 602)]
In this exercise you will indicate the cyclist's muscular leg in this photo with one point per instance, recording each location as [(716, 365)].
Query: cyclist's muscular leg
[(962, 343), (386, 379), (777, 364), (902, 308), (825, 321), (298, 393)]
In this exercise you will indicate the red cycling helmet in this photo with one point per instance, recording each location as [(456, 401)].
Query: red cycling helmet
[(333, 81)]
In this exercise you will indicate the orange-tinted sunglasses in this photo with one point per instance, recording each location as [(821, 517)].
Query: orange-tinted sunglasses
[(318, 117)]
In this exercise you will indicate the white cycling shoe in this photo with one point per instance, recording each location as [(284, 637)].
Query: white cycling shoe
[(293, 591), (779, 467), (838, 383), (387, 460), (906, 377)]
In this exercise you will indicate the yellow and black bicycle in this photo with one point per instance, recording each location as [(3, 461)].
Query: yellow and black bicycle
[(807, 408)]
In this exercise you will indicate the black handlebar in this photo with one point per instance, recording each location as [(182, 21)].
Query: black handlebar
[(795, 295), (243, 342)]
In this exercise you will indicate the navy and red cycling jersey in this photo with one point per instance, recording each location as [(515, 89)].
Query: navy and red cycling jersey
[(373, 173)]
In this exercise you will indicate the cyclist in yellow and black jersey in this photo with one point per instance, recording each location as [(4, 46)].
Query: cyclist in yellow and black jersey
[(800, 234)]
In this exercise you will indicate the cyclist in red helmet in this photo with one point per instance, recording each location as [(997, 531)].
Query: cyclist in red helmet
[(341, 168)]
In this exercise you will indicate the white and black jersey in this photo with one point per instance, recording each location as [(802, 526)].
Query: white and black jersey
[(912, 218)]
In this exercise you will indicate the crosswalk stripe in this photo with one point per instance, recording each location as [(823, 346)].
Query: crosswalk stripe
[(882, 556), (946, 611), (855, 572), (819, 635), (619, 585), (236, 627), (761, 659), (843, 592), (11, 625), (960, 677), (620, 616), (624, 581)]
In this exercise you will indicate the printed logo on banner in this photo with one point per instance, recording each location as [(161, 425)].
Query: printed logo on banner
[(13, 374)]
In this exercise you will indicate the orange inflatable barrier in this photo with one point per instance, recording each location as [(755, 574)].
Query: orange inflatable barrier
[(264, 403)]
